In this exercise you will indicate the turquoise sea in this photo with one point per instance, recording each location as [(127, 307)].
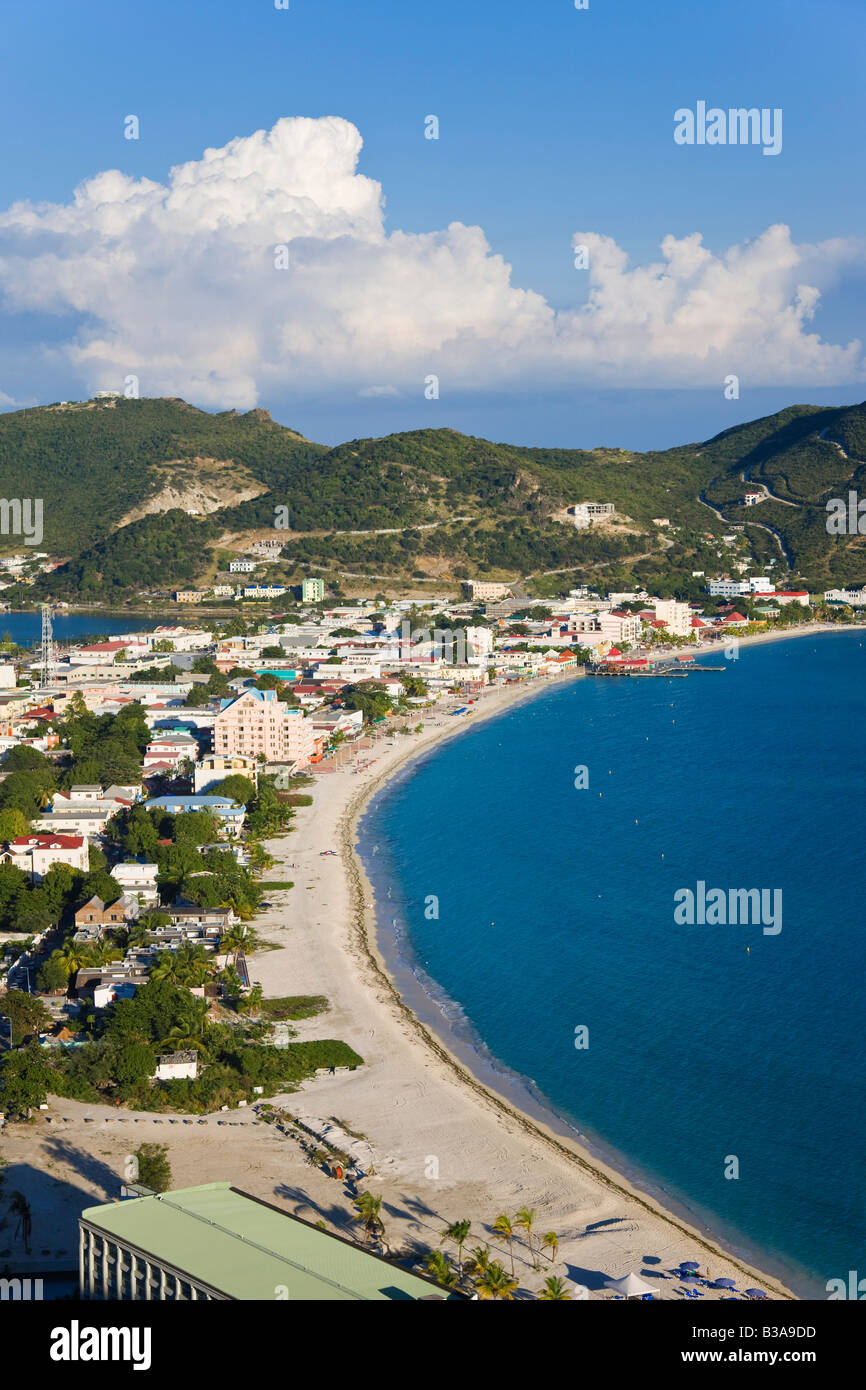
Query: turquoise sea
[(707, 1043)]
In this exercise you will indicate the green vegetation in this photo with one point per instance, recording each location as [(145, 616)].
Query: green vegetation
[(488, 508), (152, 1166), (293, 1007), (120, 1048)]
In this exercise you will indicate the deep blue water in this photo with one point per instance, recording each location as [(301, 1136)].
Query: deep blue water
[(26, 628), (698, 1048)]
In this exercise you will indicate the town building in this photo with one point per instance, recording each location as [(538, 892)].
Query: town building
[(138, 881), (177, 1066), (241, 566), (486, 590), (856, 598), (257, 724), (36, 854), (217, 1242), (210, 770), (313, 591), (222, 807), (677, 617)]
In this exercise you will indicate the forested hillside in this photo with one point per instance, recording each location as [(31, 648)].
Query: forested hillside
[(427, 502)]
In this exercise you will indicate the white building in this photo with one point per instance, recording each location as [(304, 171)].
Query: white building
[(609, 626), (855, 597), (138, 881), (241, 567), (677, 617), (36, 854), (177, 1066)]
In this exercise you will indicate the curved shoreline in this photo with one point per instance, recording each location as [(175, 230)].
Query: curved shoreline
[(366, 946)]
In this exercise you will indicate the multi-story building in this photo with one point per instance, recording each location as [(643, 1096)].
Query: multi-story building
[(256, 723), (212, 768), (855, 597), (263, 591), (241, 566), (484, 589), (611, 626), (677, 617), (36, 854), (313, 591)]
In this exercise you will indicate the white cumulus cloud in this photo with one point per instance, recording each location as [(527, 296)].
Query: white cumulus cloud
[(266, 267)]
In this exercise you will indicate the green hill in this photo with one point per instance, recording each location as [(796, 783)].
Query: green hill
[(150, 494)]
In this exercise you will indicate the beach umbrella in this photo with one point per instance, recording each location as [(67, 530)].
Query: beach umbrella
[(755, 1293), (630, 1286), (724, 1284), (689, 1264), (689, 1274)]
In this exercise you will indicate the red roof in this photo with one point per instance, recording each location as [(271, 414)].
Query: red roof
[(698, 622), (44, 841), (735, 618)]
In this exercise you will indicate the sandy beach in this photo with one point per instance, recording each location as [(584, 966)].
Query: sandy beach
[(437, 1143), (444, 1146)]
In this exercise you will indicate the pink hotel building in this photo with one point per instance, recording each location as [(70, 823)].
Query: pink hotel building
[(257, 722)]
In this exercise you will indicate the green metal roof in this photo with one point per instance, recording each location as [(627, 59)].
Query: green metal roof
[(247, 1249)]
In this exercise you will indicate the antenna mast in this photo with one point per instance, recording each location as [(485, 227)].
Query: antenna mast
[(49, 665)]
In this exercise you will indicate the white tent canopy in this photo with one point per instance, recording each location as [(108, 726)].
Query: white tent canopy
[(630, 1286), (580, 1293)]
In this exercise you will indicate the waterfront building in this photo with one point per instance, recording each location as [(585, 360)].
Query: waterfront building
[(257, 724), (218, 1242)]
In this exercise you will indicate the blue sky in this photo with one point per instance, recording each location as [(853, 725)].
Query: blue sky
[(552, 122)]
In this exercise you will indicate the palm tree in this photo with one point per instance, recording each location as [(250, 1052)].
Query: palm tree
[(550, 1241), (368, 1209), (503, 1227), (441, 1269), (479, 1260), (525, 1218), (555, 1290), (495, 1283), (458, 1231), (71, 956)]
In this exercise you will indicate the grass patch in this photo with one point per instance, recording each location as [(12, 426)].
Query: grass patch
[(275, 887), (293, 1007)]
